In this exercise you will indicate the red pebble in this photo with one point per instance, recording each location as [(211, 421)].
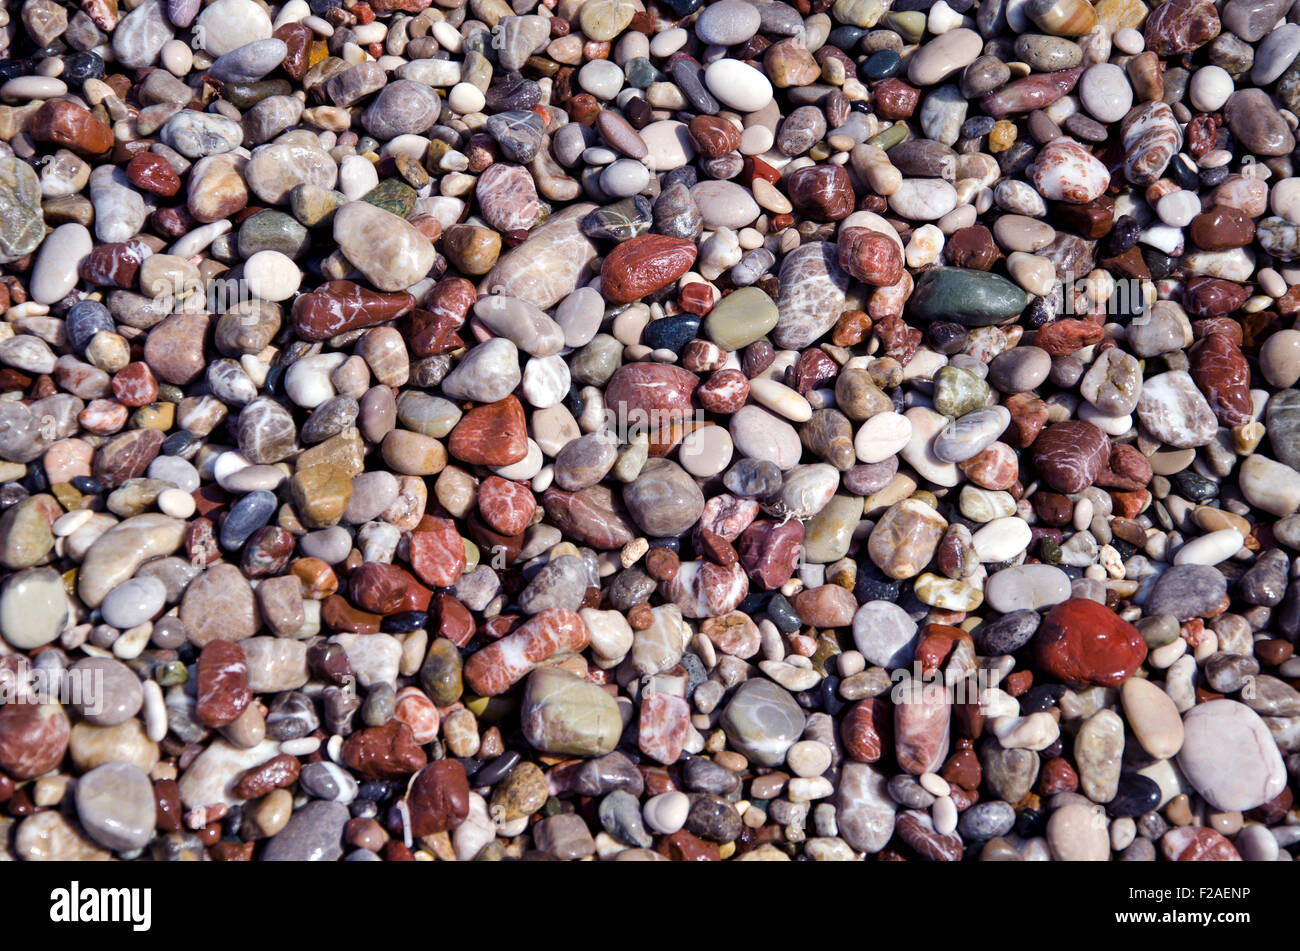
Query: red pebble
[(223, 690), (1085, 643), (152, 173), (508, 507), (1197, 844), (437, 552), (134, 385), (723, 392)]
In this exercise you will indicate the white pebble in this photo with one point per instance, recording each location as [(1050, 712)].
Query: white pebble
[(357, 176), (1177, 209), (176, 57), (666, 813), (808, 758), (69, 522), (935, 784), (1210, 549), (1129, 41), (1210, 88), (272, 275), (155, 711), (465, 98), (944, 815), (176, 503)]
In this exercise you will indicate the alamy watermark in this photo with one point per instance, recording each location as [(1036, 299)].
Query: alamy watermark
[(1102, 293), (78, 905), (23, 682), (218, 295), (917, 685)]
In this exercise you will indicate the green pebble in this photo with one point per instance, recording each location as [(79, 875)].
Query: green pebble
[(393, 196), (1159, 630), (971, 298), (909, 24), (740, 318), (896, 134), (632, 460), (171, 674), (1193, 486), (271, 230), (244, 96), (640, 73), (958, 392), (313, 205)]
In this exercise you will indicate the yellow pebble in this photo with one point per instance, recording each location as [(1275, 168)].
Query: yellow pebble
[(1247, 437), (319, 50), (633, 551), (926, 496), (565, 548), (1002, 137)]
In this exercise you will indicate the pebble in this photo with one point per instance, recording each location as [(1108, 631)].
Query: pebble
[(115, 805), (1227, 732)]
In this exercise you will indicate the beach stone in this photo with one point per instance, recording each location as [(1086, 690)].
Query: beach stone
[(1254, 119), (116, 554), (524, 325), (1082, 642), (401, 108), (274, 170), (1113, 383), (905, 538), (383, 752), (864, 810), (737, 85), (1186, 591), (564, 714), (120, 210), (727, 23), (115, 805), (22, 224), (494, 434), (219, 604), (119, 695), (391, 253), (741, 318), (47, 836), (1077, 832), (549, 265), (1269, 485), (1153, 717), (1174, 411), (1071, 455), (508, 197), (969, 297), (1225, 732), (763, 721), (944, 55), (643, 265), (140, 35), (1066, 171), (1026, 588), (33, 608), (921, 727), (33, 738), (314, 833), (812, 295), (199, 134)]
